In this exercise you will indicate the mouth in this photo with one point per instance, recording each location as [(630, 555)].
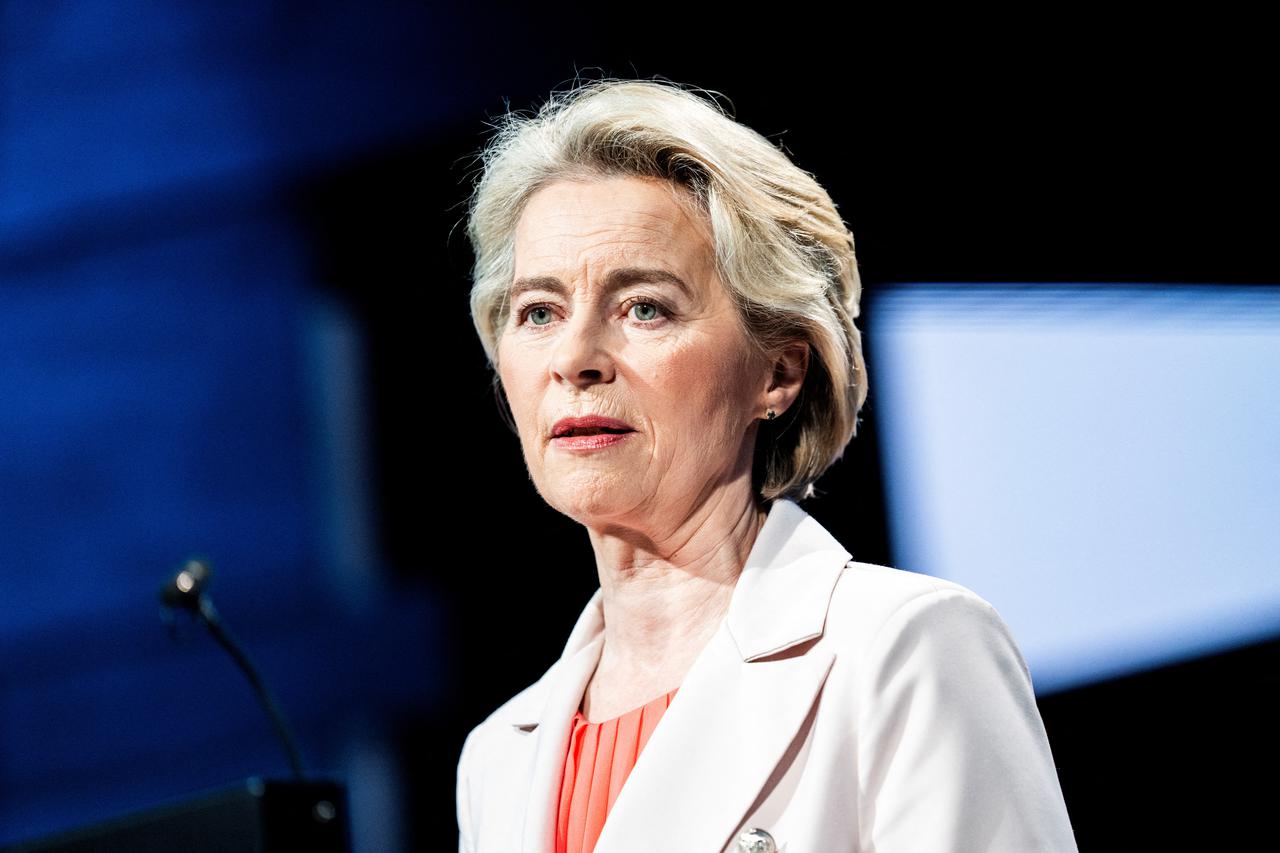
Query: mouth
[(589, 425), (570, 433)]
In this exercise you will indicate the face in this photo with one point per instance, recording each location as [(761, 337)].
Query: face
[(617, 313)]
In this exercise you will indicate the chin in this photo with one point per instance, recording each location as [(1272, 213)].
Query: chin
[(587, 499)]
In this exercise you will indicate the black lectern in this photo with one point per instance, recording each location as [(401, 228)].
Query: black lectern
[(254, 816)]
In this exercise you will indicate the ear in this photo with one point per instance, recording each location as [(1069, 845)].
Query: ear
[(789, 369)]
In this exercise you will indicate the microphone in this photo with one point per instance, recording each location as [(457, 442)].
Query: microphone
[(186, 591), (183, 591)]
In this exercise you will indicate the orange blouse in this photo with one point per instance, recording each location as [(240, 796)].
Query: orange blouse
[(599, 759)]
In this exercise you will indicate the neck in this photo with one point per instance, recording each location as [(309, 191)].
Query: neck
[(666, 583)]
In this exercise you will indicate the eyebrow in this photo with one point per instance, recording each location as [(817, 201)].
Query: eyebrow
[(615, 280)]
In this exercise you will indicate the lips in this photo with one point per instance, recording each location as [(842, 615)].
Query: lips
[(588, 425)]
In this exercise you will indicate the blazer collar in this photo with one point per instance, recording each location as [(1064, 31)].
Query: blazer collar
[(780, 600), (740, 704)]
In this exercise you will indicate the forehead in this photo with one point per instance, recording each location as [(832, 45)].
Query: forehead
[(570, 223)]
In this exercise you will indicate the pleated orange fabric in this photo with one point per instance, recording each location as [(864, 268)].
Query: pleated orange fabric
[(599, 759)]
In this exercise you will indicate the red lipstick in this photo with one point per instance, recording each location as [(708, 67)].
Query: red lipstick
[(589, 432)]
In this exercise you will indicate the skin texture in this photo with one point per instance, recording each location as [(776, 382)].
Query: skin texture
[(670, 509)]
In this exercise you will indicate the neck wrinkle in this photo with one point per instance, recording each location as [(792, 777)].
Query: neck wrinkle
[(660, 611)]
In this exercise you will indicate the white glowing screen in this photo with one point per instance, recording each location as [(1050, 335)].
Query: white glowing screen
[(1101, 463)]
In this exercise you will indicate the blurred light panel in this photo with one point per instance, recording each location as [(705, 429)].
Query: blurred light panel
[(1100, 462)]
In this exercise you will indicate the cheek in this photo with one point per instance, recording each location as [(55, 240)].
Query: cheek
[(516, 388), (705, 390)]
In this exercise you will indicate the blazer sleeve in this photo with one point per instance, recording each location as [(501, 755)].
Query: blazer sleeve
[(952, 752)]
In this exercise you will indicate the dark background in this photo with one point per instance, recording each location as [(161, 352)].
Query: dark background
[(243, 163)]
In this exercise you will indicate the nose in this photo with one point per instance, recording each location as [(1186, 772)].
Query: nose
[(582, 351)]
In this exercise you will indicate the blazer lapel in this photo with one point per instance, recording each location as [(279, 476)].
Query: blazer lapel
[(713, 751), (566, 682), (737, 710)]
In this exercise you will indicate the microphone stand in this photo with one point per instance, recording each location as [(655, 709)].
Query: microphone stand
[(186, 591), (256, 814), (209, 616)]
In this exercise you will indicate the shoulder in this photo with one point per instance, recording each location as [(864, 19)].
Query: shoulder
[(490, 748), (490, 759), (951, 750), (877, 611), (870, 591)]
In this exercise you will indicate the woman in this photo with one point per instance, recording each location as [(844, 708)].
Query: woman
[(669, 304)]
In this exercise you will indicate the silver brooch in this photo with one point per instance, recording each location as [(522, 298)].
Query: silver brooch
[(756, 840)]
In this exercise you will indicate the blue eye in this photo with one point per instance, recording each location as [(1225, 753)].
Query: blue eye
[(647, 311), (540, 310)]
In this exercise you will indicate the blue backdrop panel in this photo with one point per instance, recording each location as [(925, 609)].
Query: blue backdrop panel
[(158, 406)]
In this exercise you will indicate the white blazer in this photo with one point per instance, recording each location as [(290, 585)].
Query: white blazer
[(840, 706)]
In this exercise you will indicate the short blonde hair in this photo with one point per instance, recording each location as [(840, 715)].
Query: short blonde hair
[(781, 248)]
